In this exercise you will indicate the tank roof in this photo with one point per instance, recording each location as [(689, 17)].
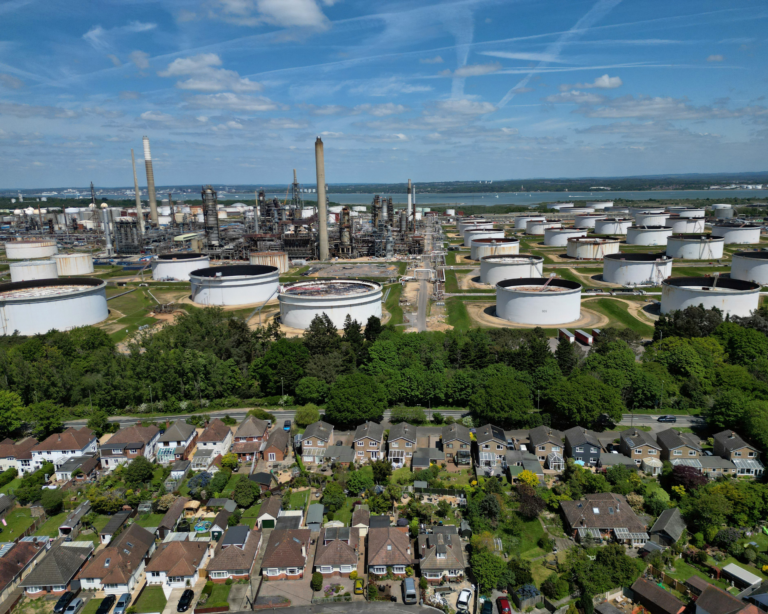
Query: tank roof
[(754, 255), (651, 227), (180, 256), (32, 242), (334, 287), (736, 225), (596, 240), (47, 288), (536, 284), (269, 253), (646, 257), (696, 237), (491, 240), (723, 284), (512, 258), (237, 270)]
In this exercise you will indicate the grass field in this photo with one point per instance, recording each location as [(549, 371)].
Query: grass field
[(50, 528), (100, 522), (230, 485), (529, 540), (10, 486), (19, 520), (219, 595), (92, 606), (152, 599), (134, 308), (620, 317), (450, 258), (345, 513), (458, 316), (149, 520), (299, 500), (392, 304)]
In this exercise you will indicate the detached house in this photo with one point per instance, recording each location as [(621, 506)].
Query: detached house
[(389, 550), (235, 555), (401, 444), (441, 554), (601, 516), (491, 445), (369, 442), (337, 551), (582, 446), (285, 556), (176, 443), (249, 436), (216, 437), (730, 446), (457, 444), (638, 445), (78, 468), (116, 569), (676, 445), (128, 443), (276, 448), (317, 438), (17, 455), (668, 528), (547, 445), (60, 447), (176, 564), (55, 572)]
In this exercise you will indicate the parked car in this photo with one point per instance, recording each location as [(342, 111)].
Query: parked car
[(666, 419), (106, 604), (287, 425), (63, 602), (503, 604), (410, 596), (463, 600), (487, 607), (359, 586), (123, 603), (510, 444), (74, 606), (186, 600)]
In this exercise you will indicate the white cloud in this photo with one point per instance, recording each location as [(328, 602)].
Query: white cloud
[(205, 77), (231, 125), (465, 107), (140, 58), (152, 116), (603, 83), (332, 134), (283, 13), (235, 102), (25, 110), (715, 58), (202, 118), (526, 57), (101, 38), (576, 97), (10, 81), (472, 70), (381, 110), (435, 60), (114, 59), (328, 109), (663, 108)]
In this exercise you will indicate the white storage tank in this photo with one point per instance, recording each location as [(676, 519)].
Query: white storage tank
[(521, 222), (580, 210), (560, 206), (612, 226), (750, 266), (648, 235), (35, 307), (465, 226), (493, 247), (723, 214), (685, 225), (600, 205), (450, 212), (33, 269), (277, 259), (692, 213), (651, 219), (494, 269), (739, 233), (587, 220), (301, 302), (635, 212), (472, 235), (178, 266), (358, 208), (73, 264), (559, 236), (734, 297), (29, 250), (307, 212), (538, 301), (636, 269), (240, 284), (717, 206), (592, 248), (695, 247), (537, 227)]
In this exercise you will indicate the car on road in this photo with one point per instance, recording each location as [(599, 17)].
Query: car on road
[(359, 586), (63, 602), (503, 604), (74, 606), (463, 600), (122, 603), (185, 600), (287, 425), (106, 604), (666, 419)]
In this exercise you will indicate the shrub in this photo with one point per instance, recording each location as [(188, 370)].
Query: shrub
[(698, 540), (701, 557), (228, 582), (725, 538), (423, 584), (317, 581), (353, 575), (546, 543), (373, 592)]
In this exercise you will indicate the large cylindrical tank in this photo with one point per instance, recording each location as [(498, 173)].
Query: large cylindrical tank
[(521, 222), (636, 269), (592, 248), (494, 269), (685, 225), (559, 206), (241, 284), (474, 226), (29, 250), (538, 301), (466, 222), (178, 266), (692, 213), (450, 211), (723, 214), (645, 211), (587, 220), (73, 264), (278, 259), (648, 235), (33, 269), (733, 297), (471, 235), (493, 247), (600, 205), (695, 247), (737, 233), (750, 266), (559, 236), (301, 302), (37, 306), (651, 219), (613, 226), (580, 210), (717, 206), (537, 227)]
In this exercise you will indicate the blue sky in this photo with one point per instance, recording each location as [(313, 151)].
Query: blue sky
[(235, 91)]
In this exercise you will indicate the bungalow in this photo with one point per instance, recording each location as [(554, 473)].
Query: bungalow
[(732, 447), (235, 554), (269, 512), (17, 455), (401, 444), (114, 526), (668, 528), (655, 599), (441, 554), (17, 562), (547, 445), (582, 446), (637, 445), (457, 444), (217, 437), (176, 443), (79, 468), (389, 550), (369, 442), (171, 518), (318, 437), (59, 447), (491, 445), (54, 573), (599, 515), (129, 443), (676, 445), (176, 564), (337, 552), (285, 556), (117, 568), (714, 466), (276, 449)]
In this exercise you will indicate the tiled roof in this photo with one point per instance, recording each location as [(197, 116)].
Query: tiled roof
[(251, 427), (178, 431), (284, 548), (278, 439), (715, 462), (71, 439), (489, 432), (662, 600), (221, 519), (58, 567), (337, 552), (402, 430), (120, 559), (246, 447), (544, 434), (372, 430), (730, 440), (601, 511), (86, 464), (318, 430), (173, 513), (714, 600), (135, 434), (232, 557), (671, 439), (271, 506), (389, 546), (178, 559), (443, 541), (360, 516), (215, 432), (578, 435), (455, 431), (671, 522), (15, 560), (635, 437), (21, 450)]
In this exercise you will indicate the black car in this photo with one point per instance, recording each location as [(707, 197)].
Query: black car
[(63, 602), (186, 600), (666, 419), (106, 604)]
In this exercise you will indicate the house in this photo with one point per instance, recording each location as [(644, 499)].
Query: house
[(276, 449), (637, 445), (401, 444), (732, 447), (491, 445), (361, 517), (676, 445), (614, 458), (171, 518), (424, 457), (389, 550), (441, 555), (179, 469), (176, 443), (17, 562), (369, 442), (457, 444), (203, 460), (547, 445), (176, 564), (264, 480), (340, 455), (72, 521), (83, 466), (655, 599), (315, 517), (54, 573), (249, 436), (602, 515), (59, 447), (235, 554), (117, 568), (285, 556), (220, 524), (128, 443), (337, 552), (668, 528), (114, 526), (317, 438), (582, 446), (714, 600), (17, 455), (714, 466), (217, 437), (269, 512)]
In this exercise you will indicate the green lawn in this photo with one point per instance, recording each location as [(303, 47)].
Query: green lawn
[(392, 304), (12, 485), (50, 528), (620, 317), (683, 571), (92, 606), (233, 480), (218, 598), (529, 546), (249, 515), (152, 599), (652, 486), (100, 522), (19, 520), (450, 258), (458, 316), (452, 479), (299, 500), (149, 520), (402, 476), (345, 513)]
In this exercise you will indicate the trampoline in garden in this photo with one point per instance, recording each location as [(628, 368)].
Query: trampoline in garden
[(203, 526)]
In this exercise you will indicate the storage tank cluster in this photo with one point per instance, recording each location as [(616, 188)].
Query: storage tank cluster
[(538, 301), (560, 206), (178, 266), (600, 205), (685, 225), (521, 221), (580, 210), (493, 247), (592, 248), (734, 297), (241, 284), (473, 224), (494, 269), (645, 218), (558, 237), (695, 247), (636, 269), (301, 302), (750, 266), (612, 226)]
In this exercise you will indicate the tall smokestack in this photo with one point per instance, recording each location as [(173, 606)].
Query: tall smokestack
[(410, 203), (322, 213), (413, 194), (150, 182), (107, 233), (139, 213)]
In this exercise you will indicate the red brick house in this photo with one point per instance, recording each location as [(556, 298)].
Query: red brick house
[(249, 436), (276, 449)]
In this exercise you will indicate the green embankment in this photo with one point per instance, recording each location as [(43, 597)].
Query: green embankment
[(392, 304), (620, 317)]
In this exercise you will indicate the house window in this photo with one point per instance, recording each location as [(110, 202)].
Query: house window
[(542, 448), (273, 571), (360, 443), (379, 570), (360, 452), (393, 444), (133, 451), (593, 450), (326, 569), (398, 569), (58, 588), (154, 574), (639, 451), (580, 449), (271, 456), (449, 446), (34, 589), (751, 455), (555, 448), (464, 446), (651, 452), (347, 568), (486, 446), (431, 575), (677, 452), (691, 452), (176, 580), (308, 442), (737, 453), (408, 444), (409, 454), (293, 571), (441, 555), (498, 447), (373, 444), (219, 574)]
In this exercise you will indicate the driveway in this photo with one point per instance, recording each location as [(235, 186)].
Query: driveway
[(173, 601), (298, 591)]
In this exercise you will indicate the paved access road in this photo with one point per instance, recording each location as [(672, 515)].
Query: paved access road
[(368, 607)]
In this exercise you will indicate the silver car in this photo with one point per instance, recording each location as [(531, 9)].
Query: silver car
[(122, 603), (74, 606)]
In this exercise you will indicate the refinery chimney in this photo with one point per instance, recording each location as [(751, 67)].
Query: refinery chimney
[(139, 214), (410, 204), (322, 212), (150, 182)]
